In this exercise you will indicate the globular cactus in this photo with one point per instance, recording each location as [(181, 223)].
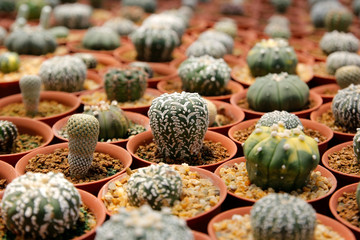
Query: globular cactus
[(212, 112), (205, 75), (101, 38), (279, 20), (7, 5), (280, 158), (339, 59), (356, 145), (356, 7), (208, 47), (156, 185), (113, 121), (59, 31), (339, 41), (73, 15), (282, 217), (278, 92), (149, 6), (272, 56), (40, 206), (172, 21), (8, 135), (89, 59), (3, 34), (30, 86), (281, 5), (222, 37), (83, 131), (143, 66), (277, 31), (63, 73), (283, 118), (347, 75), (320, 9), (180, 118), (144, 223), (9, 62), (122, 26), (34, 6), (227, 26), (125, 85), (338, 19)]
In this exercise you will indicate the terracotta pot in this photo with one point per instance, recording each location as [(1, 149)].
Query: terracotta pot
[(92, 75), (234, 86), (132, 116), (323, 89), (336, 226), (94, 186), (249, 114), (200, 236), (31, 127), (147, 137), (200, 221), (105, 60), (319, 203), (7, 172), (64, 98), (76, 47)]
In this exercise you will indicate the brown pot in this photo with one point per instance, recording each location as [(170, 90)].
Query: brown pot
[(31, 127), (76, 47), (323, 90), (321, 79), (200, 236), (7, 172), (75, 35), (67, 99), (147, 137), (92, 187)]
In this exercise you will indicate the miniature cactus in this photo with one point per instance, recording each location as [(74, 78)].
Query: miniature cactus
[(283, 118), (165, 19), (339, 41), (149, 6), (83, 131), (144, 223), (212, 112), (356, 144), (338, 19), (356, 7), (40, 206), (226, 26), (282, 217), (320, 9), (101, 38), (73, 15), (280, 158), (7, 5), (281, 5), (8, 135), (121, 26), (156, 185), (59, 32), (63, 73), (347, 75), (125, 84), (35, 7), (180, 118), (339, 59), (272, 56), (132, 13), (222, 37), (89, 59), (277, 31), (9, 62), (143, 66), (3, 33), (209, 47), (205, 75), (278, 92), (30, 86)]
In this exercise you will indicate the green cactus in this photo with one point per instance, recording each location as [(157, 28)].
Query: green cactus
[(30, 86), (208, 47), (356, 144), (144, 223), (279, 20), (63, 73), (282, 217), (34, 6), (277, 31), (9, 62), (3, 34), (278, 92), (272, 56), (172, 21), (283, 118), (358, 195), (149, 6), (222, 37), (132, 13), (156, 185), (280, 158), (59, 32), (180, 118), (356, 7), (122, 26), (7, 5), (8, 135), (339, 59), (320, 9), (143, 66), (226, 26), (83, 131), (101, 38), (125, 85), (281, 5), (205, 75), (347, 75), (73, 15), (89, 59), (338, 19), (339, 41), (212, 112), (231, 8)]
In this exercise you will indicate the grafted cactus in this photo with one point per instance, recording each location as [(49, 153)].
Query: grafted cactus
[(338, 19), (143, 66), (283, 118), (8, 135), (30, 86), (339, 59), (339, 41), (89, 59), (208, 47), (9, 62), (101, 38), (222, 37), (347, 75), (73, 15)]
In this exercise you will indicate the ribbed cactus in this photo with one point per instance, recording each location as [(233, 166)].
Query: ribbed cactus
[(281, 5), (113, 121), (320, 9), (144, 223), (212, 111), (209, 47), (356, 144), (278, 92), (59, 32), (339, 41), (143, 66), (9, 62), (125, 85), (338, 19), (282, 217), (89, 59), (3, 34), (75, 15), (347, 75), (227, 26), (40, 206), (30, 86), (121, 26), (180, 118), (149, 6), (272, 56), (222, 37), (172, 21), (277, 31), (280, 158), (83, 131), (283, 118), (8, 135), (7, 5), (339, 59), (156, 185), (101, 38)]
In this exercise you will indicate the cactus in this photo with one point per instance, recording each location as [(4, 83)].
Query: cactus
[(40, 206), (125, 85), (165, 19), (320, 9), (132, 13), (154, 43), (89, 59), (101, 38), (143, 66), (222, 37), (205, 75), (278, 92), (7, 5), (73, 15), (280, 158), (356, 144), (358, 195), (156, 185), (144, 223), (121, 26), (282, 217), (347, 75), (149, 6), (283, 118), (83, 131), (9, 62), (277, 31), (113, 121), (271, 56), (339, 59), (30, 86), (232, 8), (8, 135), (226, 26), (59, 32), (338, 41), (356, 7), (3, 33), (338, 19), (279, 20), (281, 5), (209, 47), (212, 112), (34, 6), (180, 118), (63, 73)]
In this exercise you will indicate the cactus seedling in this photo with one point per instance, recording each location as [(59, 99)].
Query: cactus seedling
[(30, 87), (8, 135)]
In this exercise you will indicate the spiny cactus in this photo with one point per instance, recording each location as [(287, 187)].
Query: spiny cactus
[(209, 47), (227, 26), (143, 66), (144, 223), (222, 37), (339, 59), (180, 118), (59, 31), (121, 26), (83, 131), (320, 9), (101, 38), (9, 62), (347, 75), (164, 19), (281, 5), (280, 158), (8, 135), (277, 31), (205, 75), (283, 118), (63, 73), (89, 59), (282, 217), (212, 112), (156, 185), (30, 86), (338, 19), (339, 41), (73, 15), (125, 85), (149, 6), (356, 145), (40, 206)]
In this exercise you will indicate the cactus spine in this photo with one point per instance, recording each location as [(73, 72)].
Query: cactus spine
[(8, 135), (347, 75), (284, 118), (30, 86)]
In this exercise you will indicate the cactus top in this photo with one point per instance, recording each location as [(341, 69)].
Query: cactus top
[(222, 37), (272, 43), (288, 120), (169, 20), (339, 41), (153, 32), (73, 9)]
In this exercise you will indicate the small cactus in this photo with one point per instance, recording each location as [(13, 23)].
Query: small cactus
[(320, 9), (89, 59), (277, 31), (209, 47), (122, 26), (143, 66), (172, 21), (83, 131), (283, 118), (338, 19), (156, 185), (222, 37), (9, 62), (356, 144), (149, 6), (212, 112), (101, 38), (339, 59), (8, 135), (73, 15), (30, 86), (226, 26), (347, 75), (339, 41), (281, 5)]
